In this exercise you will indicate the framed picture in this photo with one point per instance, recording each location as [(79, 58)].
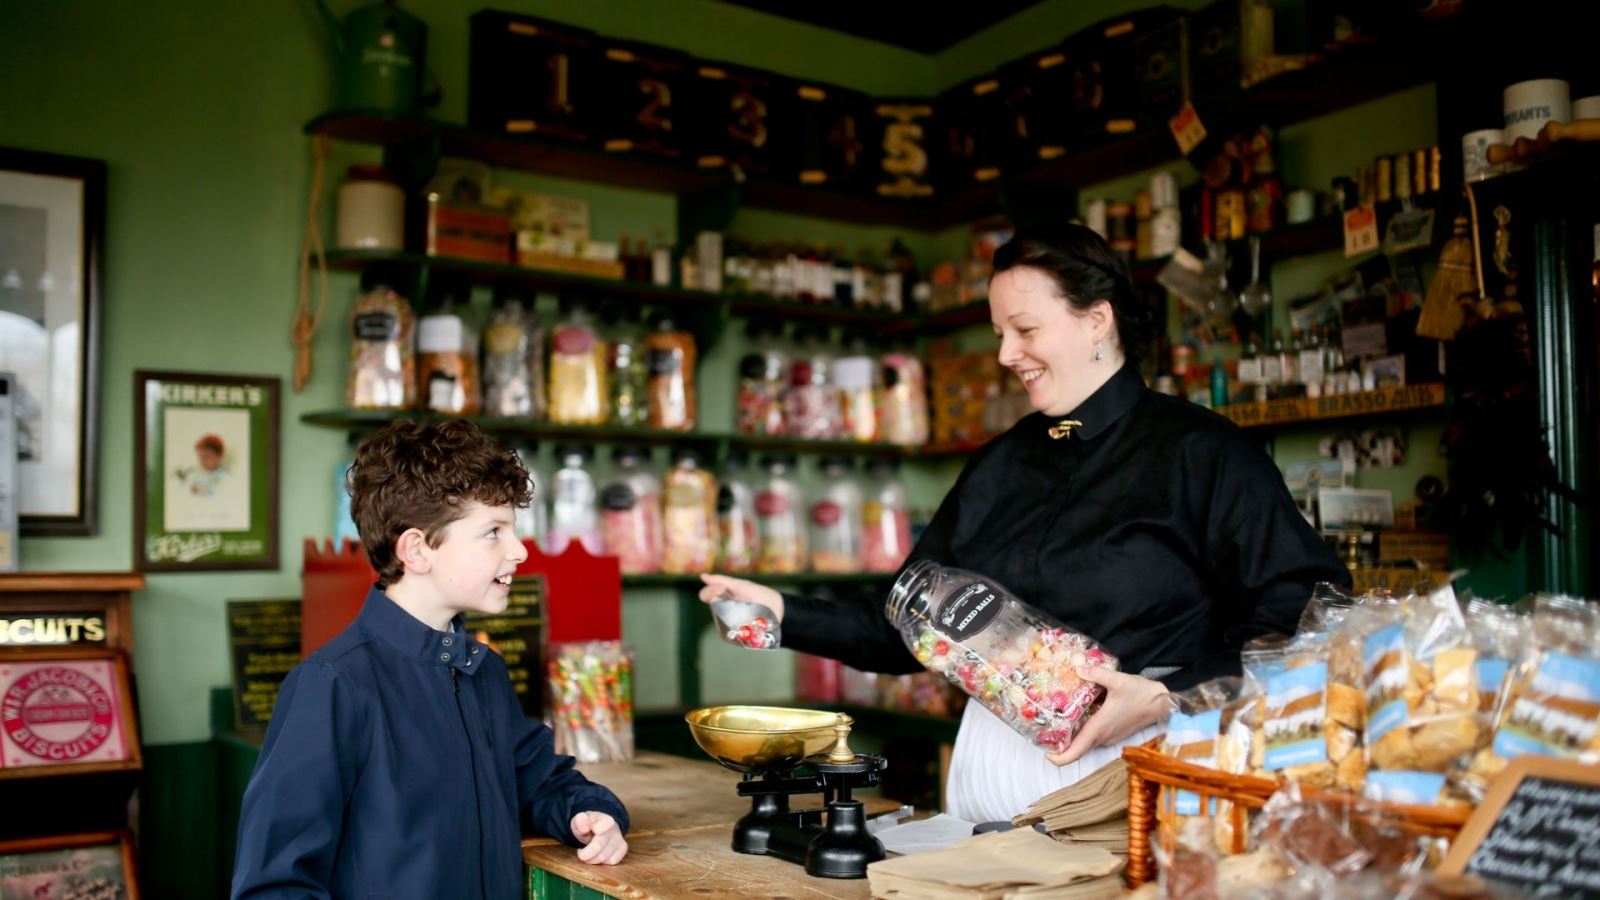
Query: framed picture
[(69, 711), (52, 223), (69, 866), (205, 494)]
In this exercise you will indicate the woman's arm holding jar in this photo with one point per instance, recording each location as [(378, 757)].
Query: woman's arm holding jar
[(853, 628)]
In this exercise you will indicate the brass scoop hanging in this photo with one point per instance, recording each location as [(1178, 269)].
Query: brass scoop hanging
[(1063, 429)]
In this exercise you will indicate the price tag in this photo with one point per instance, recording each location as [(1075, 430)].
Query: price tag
[(1187, 129), (1360, 231)]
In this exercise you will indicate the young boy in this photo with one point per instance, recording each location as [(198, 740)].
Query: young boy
[(399, 762)]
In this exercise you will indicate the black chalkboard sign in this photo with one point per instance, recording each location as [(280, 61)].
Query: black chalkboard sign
[(264, 643), (1538, 828), (518, 636)]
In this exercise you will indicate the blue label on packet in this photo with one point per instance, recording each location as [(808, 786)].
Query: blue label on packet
[(1415, 788), (1491, 674), (1557, 715), (1296, 708), (1385, 657), (1187, 803)]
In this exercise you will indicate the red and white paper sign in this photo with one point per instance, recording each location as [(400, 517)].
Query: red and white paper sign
[(1187, 129), (61, 712), (1360, 231)]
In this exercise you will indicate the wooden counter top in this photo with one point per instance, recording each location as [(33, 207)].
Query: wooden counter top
[(695, 863), (679, 843)]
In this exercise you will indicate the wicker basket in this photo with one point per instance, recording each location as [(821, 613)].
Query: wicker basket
[(1150, 808)]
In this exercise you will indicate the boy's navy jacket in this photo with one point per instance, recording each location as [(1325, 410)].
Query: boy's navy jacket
[(399, 764)]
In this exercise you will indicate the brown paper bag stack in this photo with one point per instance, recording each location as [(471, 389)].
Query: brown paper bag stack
[(1091, 813), (1000, 866)]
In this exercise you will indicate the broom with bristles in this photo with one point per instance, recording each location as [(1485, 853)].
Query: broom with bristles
[(1443, 311)]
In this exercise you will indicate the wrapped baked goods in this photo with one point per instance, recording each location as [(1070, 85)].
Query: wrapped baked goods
[(1210, 726), (1551, 702), (1421, 685), (1299, 736), (1500, 634)]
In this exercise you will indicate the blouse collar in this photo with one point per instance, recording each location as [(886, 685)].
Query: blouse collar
[(1102, 408)]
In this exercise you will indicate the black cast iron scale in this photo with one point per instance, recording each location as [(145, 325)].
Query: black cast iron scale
[(831, 842)]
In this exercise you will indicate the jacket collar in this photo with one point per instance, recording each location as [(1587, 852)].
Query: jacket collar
[(1101, 409), (384, 619)]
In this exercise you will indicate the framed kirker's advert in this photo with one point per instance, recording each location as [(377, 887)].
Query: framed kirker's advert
[(205, 472), (69, 866), (67, 712)]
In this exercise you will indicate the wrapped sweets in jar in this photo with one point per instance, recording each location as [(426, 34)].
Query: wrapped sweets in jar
[(670, 352), (736, 515), (511, 375), (763, 379), (811, 407), (630, 512), (836, 519), (855, 373), (627, 371), (885, 518), (780, 518), (689, 515), (447, 350), (577, 382), (1017, 661), (903, 408), (383, 359)]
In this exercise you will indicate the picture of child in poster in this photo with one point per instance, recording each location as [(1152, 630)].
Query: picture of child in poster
[(206, 461)]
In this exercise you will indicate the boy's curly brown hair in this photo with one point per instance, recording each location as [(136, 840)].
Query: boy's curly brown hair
[(412, 475)]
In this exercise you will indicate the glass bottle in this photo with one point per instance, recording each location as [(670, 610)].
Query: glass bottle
[(836, 519), (383, 360), (738, 540), (763, 379), (447, 350), (1272, 363), (630, 512), (628, 367), (855, 372), (670, 358), (689, 515), (578, 368), (885, 518), (780, 526), (574, 508), (1014, 659), (1250, 363), (509, 359)]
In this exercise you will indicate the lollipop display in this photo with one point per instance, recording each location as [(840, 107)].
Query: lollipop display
[(591, 700)]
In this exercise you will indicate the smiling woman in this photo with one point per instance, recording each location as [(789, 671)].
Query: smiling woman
[(1152, 525)]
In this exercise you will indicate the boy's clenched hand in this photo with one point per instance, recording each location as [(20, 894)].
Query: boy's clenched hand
[(603, 843)]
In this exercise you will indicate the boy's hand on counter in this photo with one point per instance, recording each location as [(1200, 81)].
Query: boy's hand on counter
[(748, 591), (603, 843)]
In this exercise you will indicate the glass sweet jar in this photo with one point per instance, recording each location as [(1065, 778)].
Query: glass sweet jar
[(1017, 661)]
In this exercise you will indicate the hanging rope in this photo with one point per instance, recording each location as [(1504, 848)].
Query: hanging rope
[(306, 322)]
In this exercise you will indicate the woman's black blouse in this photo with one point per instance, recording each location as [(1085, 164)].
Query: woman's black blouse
[(1156, 527)]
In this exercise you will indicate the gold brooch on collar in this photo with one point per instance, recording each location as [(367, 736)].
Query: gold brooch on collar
[(1063, 429)]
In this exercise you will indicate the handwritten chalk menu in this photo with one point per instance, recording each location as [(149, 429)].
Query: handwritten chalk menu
[(1538, 828), (518, 636), (264, 642)]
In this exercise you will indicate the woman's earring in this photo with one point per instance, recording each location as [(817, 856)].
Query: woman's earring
[(1097, 353)]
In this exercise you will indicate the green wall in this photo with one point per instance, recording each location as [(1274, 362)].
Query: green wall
[(198, 114)]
